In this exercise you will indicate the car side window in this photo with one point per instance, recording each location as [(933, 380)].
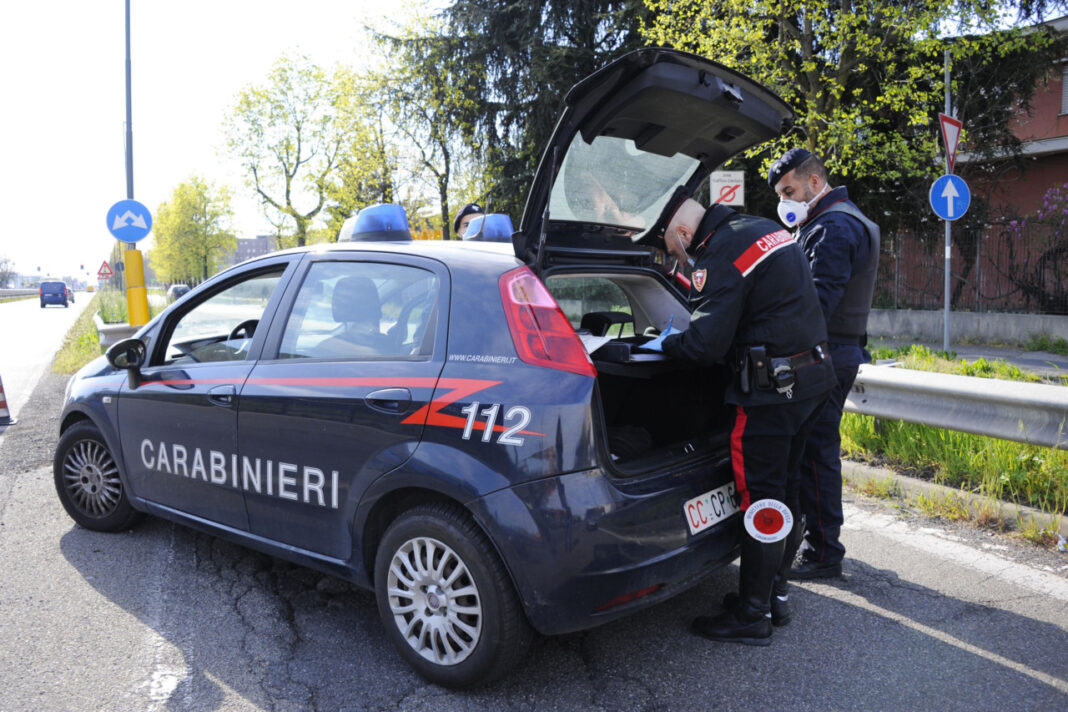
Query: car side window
[(362, 310), (595, 304), (221, 327)]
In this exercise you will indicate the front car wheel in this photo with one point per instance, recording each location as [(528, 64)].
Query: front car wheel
[(88, 483)]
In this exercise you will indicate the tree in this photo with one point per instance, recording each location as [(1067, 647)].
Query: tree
[(518, 60), (365, 171), (289, 135), (7, 271), (866, 80), (192, 237), (424, 99)]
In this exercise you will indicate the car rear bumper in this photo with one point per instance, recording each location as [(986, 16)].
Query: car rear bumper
[(583, 550)]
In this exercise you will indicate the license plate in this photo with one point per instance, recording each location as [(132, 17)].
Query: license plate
[(710, 508)]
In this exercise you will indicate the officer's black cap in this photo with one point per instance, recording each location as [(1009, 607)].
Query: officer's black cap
[(672, 206), (469, 209), (786, 163)]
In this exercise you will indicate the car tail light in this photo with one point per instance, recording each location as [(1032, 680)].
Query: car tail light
[(541, 333)]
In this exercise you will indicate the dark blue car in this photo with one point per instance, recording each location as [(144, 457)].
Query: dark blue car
[(55, 293), (469, 429)]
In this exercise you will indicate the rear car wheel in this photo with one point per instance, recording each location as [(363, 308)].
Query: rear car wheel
[(446, 600), (88, 483)]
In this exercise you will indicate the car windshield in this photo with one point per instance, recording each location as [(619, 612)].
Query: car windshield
[(612, 181)]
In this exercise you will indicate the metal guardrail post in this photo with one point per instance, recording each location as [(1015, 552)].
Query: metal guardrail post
[(1025, 412)]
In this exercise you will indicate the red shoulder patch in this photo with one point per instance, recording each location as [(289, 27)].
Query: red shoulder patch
[(761, 250)]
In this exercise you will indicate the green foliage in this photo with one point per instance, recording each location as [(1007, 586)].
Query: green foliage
[(82, 343), (866, 78), (290, 135), (520, 60), (1047, 343), (1003, 469), (425, 93), (112, 307), (192, 238)]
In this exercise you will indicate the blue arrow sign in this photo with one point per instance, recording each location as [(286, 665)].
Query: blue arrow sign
[(129, 221), (950, 197)]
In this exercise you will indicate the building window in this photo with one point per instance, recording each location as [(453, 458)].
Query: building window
[(1064, 90)]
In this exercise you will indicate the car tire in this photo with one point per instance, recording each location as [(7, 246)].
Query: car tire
[(88, 481), (456, 621)]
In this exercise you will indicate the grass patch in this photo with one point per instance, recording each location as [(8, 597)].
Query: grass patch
[(1002, 469), (16, 299), (996, 469), (1045, 342), (112, 307), (81, 344)]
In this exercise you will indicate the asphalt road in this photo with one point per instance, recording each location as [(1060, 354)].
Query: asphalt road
[(29, 338), (928, 616)]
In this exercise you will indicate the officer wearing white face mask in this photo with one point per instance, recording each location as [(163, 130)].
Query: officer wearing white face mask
[(842, 246)]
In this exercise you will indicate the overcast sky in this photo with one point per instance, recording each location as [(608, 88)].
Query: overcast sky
[(62, 79)]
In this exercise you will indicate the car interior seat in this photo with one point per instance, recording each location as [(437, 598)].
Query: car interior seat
[(355, 306)]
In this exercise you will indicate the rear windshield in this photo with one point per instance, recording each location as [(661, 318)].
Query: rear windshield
[(53, 286), (612, 181)]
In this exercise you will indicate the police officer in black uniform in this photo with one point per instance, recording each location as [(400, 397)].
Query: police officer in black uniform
[(755, 307), (842, 246)]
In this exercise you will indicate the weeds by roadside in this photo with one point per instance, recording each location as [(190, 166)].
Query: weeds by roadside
[(81, 344), (996, 470), (1045, 342)]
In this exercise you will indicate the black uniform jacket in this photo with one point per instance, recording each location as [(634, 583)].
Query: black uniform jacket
[(751, 286)]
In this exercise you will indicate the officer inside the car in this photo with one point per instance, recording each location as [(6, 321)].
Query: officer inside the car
[(754, 307)]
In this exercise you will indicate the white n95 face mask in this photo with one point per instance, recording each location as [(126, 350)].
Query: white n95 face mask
[(794, 212)]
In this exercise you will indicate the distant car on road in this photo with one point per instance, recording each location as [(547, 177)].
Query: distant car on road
[(55, 293), (70, 295), (175, 291)]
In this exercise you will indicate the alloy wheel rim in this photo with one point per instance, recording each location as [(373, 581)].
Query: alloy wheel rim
[(91, 479), (434, 600)]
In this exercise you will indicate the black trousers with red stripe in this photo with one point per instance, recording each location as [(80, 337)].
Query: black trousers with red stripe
[(766, 446)]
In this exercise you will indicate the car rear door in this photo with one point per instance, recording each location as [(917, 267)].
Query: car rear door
[(341, 399)]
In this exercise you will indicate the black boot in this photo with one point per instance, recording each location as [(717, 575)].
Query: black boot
[(780, 606), (749, 621)]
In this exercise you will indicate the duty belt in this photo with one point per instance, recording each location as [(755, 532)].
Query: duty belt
[(807, 358), (776, 372)]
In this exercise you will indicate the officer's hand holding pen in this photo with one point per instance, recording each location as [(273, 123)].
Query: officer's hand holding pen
[(657, 344)]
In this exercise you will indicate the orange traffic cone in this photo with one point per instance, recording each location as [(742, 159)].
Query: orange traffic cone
[(5, 414)]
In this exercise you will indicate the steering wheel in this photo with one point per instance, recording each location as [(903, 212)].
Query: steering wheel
[(248, 326)]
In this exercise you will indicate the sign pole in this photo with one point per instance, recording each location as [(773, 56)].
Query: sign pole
[(136, 295), (949, 237)]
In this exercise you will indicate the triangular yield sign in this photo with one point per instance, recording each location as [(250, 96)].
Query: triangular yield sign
[(950, 136)]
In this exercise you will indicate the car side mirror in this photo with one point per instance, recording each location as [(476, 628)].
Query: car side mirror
[(129, 355)]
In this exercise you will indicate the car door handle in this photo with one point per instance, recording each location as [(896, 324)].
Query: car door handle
[(223, 395), (389, 400)]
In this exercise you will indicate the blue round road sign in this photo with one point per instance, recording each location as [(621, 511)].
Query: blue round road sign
[(950, 197), (129, 221)]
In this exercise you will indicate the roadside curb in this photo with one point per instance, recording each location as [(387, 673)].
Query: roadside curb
[(112, 333), (859, 474)]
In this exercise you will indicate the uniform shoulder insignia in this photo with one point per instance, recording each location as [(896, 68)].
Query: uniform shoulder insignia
[(761, 249), (698, 279)]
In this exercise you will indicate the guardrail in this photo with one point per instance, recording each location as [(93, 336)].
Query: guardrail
[(19, 292), (1010, 410)]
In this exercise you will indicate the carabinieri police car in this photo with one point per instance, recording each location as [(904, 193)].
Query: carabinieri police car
[(469, 429)]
